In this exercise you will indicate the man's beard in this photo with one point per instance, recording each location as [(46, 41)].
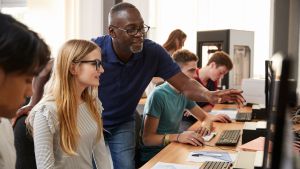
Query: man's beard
[(135, 49)]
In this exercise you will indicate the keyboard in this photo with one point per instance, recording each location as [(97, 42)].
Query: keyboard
[(215, 165), (228, 138), (243, 117)]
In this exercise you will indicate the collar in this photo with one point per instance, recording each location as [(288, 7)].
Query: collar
[(197, 76)]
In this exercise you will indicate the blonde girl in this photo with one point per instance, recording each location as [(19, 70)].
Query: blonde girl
[(66, 124)]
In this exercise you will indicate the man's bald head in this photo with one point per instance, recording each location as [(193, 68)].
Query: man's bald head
[(118, 9)]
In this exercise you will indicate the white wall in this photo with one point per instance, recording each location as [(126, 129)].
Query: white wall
[(90, 18), (47, 17), (60, 20)]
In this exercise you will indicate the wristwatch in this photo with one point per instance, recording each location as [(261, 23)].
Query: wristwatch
[(166, 139)]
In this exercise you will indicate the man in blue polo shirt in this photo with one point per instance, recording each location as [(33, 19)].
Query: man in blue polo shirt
[(130, 62)]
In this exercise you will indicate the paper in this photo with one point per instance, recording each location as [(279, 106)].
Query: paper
[(209, 136), (229, 112), (261, 125), (255, 125), (211, 156), (259, 156), (162, 165), (255, 145), (250, 126)]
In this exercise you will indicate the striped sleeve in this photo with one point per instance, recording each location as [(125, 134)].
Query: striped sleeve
[(43, 139), (101, 156)]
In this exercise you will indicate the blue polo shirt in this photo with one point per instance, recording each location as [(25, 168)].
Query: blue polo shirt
[(122, 84)]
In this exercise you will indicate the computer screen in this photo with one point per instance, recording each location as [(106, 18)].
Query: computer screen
[(269, 81), (269, 101), (277, 117)]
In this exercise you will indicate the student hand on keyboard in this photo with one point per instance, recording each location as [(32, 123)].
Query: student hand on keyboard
[(191, 137), (204, 129)]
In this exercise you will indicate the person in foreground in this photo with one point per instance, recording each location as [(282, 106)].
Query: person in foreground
[(66, 124), (164, 109), (131, 61), (22, 55), (23, 140)]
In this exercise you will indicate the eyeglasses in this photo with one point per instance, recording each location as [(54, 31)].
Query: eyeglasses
[(133, 32), (96, 62)]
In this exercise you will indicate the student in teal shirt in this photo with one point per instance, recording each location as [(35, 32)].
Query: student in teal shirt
[(164, 109)]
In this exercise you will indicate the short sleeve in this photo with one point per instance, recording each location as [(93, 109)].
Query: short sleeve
[(44, 128), (190, 104), (48, 113), (154, 105), (165, 66)]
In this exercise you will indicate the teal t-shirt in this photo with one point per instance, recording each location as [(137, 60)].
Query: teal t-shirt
[(168, 106)]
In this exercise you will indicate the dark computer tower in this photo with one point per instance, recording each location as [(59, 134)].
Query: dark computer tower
[(237, 43)]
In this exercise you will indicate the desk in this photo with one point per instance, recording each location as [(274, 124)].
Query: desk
[(224, 106), (178, 152)]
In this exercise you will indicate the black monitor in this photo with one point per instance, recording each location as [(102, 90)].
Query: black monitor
[(269, 81), (277, 117), (269, 100)]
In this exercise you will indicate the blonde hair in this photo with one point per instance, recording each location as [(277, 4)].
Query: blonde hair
[(62, 87)]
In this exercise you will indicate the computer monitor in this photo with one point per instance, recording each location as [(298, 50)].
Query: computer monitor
[(269, 81), (269, 100), (277, 117)]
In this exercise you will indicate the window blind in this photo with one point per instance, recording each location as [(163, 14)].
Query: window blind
[(12, 3)]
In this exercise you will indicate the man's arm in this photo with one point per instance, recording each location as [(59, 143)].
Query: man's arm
[(198, 113), (195, 91), (207, 108), (39, 82), (202, 115)]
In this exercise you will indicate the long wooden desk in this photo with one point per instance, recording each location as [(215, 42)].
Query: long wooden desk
[(178, 152)]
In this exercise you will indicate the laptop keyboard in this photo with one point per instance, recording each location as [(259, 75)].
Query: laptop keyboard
[(243, 117), (215, 165), (228, 138)]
